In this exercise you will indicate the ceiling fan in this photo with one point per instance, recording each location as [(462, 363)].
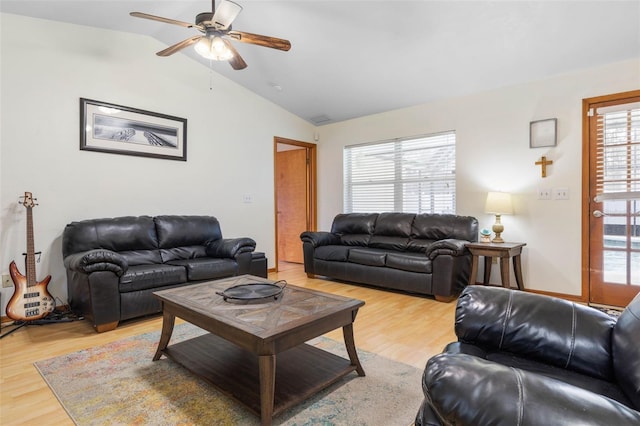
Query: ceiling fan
[(216, 29)]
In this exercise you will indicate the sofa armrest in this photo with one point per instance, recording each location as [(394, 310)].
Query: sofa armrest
[(448, 246), (97, 260), (548, 329), (230, 247), (465, 390), (320, 238)]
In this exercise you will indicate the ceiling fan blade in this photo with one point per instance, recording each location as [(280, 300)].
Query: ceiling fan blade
[(165, 20), (260, 40), (224, 15), (179, 46), (236, 61)]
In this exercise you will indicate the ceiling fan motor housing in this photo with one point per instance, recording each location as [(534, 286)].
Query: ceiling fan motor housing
[(204, 17)]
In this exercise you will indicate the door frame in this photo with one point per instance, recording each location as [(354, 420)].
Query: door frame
[(586, 198), (311, 201)]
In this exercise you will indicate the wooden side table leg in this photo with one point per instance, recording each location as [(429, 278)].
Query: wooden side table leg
[(487, 270), (267, 364), (504, 272), (349, 342), (474, 270), (168, 321), (517, 269)]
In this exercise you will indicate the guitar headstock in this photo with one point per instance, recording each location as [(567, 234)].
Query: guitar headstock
[(28, 200)]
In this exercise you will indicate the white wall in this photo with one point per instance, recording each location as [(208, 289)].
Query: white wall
[(47, 66), (492, 131)]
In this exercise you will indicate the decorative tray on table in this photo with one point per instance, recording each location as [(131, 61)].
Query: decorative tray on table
[(254, 291)]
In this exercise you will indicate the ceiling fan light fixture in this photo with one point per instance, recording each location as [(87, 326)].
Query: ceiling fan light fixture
[(213, 48)]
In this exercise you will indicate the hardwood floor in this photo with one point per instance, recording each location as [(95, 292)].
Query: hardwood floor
[(409, 329)]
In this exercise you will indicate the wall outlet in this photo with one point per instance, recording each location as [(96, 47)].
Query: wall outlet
[(247, 198), (544, 194), (560, 193), (6, 281)]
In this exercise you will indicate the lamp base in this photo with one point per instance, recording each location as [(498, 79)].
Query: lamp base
[(497, 238), (497, 228)]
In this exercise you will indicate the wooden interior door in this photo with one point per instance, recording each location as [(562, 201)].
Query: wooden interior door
[(291, 203), (611, 206)]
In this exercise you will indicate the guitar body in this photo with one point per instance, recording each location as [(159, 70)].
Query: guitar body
[(28, 303)]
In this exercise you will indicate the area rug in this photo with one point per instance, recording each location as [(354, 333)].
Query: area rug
[(118, 384)]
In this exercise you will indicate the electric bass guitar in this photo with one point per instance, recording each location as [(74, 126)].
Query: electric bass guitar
[(31, 299)]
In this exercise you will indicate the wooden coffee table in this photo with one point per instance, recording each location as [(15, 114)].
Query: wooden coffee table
[(238, 355)]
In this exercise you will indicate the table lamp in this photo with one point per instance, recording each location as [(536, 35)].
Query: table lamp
[(498, 203)]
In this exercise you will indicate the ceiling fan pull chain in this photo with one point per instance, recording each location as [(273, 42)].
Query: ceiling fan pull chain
[(210, 74)]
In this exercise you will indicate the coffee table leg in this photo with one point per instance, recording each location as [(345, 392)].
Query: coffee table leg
[(350, 343), (267, 365), (168, 321)]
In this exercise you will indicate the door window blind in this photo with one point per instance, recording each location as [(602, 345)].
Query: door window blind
[(618, 152), (416, 175)]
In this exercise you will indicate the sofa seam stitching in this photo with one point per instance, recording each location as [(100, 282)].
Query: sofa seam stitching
[(506, 316), (573, 334), (520, 396)]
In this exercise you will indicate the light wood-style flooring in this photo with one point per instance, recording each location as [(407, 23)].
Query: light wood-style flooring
[(409, 329)]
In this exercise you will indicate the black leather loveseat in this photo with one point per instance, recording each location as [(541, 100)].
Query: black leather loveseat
[(114, 265), (527, 359), (417, 253)]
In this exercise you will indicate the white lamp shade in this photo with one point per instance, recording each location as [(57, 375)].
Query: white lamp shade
[(499, 203)]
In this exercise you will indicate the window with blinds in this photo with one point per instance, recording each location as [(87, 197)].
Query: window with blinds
[(618, 152), (415, 175)]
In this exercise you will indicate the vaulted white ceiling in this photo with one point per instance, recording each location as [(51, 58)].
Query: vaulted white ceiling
[(354, 58)]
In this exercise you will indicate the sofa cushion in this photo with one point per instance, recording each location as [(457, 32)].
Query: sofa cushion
[(367, 257), (132, 237), (412, 262), (392, 231), (355, 229), (141, 257), (419, 245), (442, 226), (388, 243), (179, 236), (206, 268), (184, 252), (599, 386), (142, 277), (394, 224), (333, 253)]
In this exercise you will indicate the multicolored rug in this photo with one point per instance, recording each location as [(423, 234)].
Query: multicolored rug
[(118, 384)]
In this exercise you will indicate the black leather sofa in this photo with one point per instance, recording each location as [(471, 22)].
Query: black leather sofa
[(416, 253), (527, 359), (114, 265)]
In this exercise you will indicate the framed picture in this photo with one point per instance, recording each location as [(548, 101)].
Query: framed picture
[(118, 129), (543, 133)]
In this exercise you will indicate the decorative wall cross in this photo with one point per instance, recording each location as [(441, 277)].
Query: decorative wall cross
[(544, 163)]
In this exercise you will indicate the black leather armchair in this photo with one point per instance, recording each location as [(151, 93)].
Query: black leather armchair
[(527, 359), (114, 265)]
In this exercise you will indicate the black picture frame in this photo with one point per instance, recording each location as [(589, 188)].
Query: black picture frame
[(118, 129)]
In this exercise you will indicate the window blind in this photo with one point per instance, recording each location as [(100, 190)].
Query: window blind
[(618, 152), (414, 175)]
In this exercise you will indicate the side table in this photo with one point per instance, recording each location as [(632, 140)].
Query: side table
[(504, 251)]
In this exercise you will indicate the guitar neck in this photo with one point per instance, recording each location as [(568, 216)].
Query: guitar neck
[(31, 254)]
